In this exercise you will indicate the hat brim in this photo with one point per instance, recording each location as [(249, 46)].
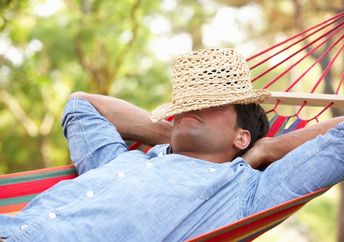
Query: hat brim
[(197, 103)]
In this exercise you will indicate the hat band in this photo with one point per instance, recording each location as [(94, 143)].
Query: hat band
[(218, 96)]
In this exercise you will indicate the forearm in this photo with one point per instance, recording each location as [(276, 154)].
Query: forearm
[(283, 144), (317, 164), (131, 121), (269, 150)]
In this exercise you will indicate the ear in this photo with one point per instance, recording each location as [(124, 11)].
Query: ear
[(242, 139)]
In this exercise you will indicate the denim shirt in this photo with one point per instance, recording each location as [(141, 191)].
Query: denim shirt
[(123, 195)]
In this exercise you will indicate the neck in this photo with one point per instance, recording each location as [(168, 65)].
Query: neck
[(216, 158)]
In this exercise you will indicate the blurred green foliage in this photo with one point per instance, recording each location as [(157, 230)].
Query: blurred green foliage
[(84, 45)]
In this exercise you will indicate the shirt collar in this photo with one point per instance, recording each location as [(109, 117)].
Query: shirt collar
[(158, 149)]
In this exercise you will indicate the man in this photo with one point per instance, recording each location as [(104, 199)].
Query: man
[(191, 186)]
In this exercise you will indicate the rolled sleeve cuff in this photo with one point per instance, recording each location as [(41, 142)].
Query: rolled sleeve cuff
[(340, 126), (73, 106)]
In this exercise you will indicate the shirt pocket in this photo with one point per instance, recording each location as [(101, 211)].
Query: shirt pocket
[(202, 179)]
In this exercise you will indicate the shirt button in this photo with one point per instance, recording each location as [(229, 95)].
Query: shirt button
[(90, 194), (52, 215), (212, 170), (149, 164), (120, 174), (160, 154), (24, 226)]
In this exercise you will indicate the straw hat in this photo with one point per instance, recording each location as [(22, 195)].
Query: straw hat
[(208, 78)]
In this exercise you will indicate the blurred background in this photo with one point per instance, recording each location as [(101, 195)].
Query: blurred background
[(126, 48)]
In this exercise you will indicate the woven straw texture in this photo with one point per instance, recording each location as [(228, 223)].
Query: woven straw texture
[(209, 78)]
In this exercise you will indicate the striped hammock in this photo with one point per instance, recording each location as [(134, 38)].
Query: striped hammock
[(277, 62), (17, 189)]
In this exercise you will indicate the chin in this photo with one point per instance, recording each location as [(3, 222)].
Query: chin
[(185, 139)]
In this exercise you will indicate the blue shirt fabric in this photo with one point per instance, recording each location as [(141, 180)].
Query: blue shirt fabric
[(124, 195)]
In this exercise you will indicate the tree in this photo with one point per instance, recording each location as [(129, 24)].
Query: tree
[(83, 45)]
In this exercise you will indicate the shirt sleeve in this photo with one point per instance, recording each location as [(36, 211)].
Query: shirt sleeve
[(93, 141), (317, 164)]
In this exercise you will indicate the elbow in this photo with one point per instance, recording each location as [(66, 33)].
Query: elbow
[(78, 94), (70, 111)]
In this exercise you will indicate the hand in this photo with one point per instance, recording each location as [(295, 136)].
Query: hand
[(258, 155), (268, 150)]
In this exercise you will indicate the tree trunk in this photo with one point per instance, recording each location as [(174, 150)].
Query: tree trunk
[(340, 226)]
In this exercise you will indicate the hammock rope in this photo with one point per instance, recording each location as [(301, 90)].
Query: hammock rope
[(328, 67), (327, 36), (286, 48), (332, 20), (300, 60), (335, 30), (340, 84), (309, 68)]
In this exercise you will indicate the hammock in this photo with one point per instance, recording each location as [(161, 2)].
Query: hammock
[(17, 189)]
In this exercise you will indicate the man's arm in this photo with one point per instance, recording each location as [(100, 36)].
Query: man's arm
[(268, 150), (131, 121), (316, 164), (93, 141)]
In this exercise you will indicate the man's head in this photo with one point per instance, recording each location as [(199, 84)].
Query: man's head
[(205, 86), (209, 78), (221, 133)]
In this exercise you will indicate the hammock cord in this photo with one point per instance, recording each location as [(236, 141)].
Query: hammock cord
[(330, 39), (321, 79), (340, 84), (335, 18), (320, 58), (335, 29), (328, 67), (292, 44)]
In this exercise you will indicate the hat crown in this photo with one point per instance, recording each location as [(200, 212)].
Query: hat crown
[(209, 78), (210, 72)]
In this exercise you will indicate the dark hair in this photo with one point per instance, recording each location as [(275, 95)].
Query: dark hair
[(251, 117)]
